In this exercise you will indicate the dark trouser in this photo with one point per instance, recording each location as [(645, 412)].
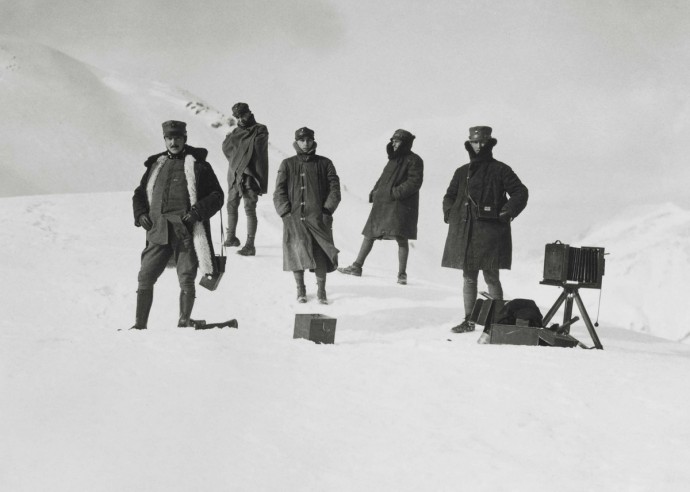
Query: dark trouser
[(155, 257), (368, 244), (250, 197), (469, 288)]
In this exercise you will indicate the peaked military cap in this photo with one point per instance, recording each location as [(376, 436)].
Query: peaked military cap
[(304, 132), (174, 128), (480, 133)]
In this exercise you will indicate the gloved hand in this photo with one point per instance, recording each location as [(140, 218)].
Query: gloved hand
[(145, 222), (504, 217), (446, 216), (190, 218)]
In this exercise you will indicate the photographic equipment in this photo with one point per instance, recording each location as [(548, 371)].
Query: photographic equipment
[(573, 268), (564, 263), (517, 322), (315, 327), (210, 281)]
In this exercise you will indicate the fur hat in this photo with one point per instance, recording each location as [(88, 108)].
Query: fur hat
[(172, 128), (304, 132), (480, 133), (239, 109)]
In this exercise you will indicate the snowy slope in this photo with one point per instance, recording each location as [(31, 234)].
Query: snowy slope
[(70, 127), (398, 403)]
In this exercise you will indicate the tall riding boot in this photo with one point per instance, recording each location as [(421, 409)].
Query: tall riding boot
[(321, 290), (186, 305), (144, 302)]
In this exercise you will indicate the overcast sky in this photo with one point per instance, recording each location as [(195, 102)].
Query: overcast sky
[(599, 86)]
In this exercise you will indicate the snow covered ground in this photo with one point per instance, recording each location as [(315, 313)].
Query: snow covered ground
[(397, 403)]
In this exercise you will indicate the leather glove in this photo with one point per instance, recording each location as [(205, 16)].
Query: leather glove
[(446, 216), (504, 217), (191, 217), (145, 222)]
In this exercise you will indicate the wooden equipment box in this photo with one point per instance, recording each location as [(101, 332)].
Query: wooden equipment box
[(513, 335), (315, 327), (527, 335)]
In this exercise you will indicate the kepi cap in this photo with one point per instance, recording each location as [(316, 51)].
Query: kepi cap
[(304, 132), (480, 133), (173, 128)]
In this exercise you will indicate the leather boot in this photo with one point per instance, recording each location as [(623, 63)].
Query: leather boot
[(186, 305), (144, 302), (321, 291)]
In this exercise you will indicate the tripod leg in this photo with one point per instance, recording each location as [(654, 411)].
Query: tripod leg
[(568, 311), (588, 322), (554, 308)]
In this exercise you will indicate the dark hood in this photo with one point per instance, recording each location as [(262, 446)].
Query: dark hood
[(305, 155), (404, 149)]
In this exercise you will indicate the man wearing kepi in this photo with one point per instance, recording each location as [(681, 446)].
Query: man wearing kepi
[(395, 199), (484, 196), (246, 149), (306, 195), (178, 194)]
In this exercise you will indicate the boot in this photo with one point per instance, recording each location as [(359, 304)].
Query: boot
[(353, 269), (464, 327), (402, 278), (144, 302), (321, 291), (231, 241), (249, 249), (301, 294), (186, 305)]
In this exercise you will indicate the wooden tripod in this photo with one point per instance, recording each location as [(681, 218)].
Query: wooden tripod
[(570, 292)]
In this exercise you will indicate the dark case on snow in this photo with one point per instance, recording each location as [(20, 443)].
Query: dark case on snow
[(315, 327), (553, 339), (528, 335), (513, 335), (210, 281)]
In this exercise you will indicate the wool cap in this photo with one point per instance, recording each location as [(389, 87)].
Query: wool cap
[(403, 135), (172, 128), (239, 109), (480, 133), (304, 132)]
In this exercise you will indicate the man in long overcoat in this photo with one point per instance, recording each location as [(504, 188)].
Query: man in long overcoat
[(395, 200), (178, 194), (246, 149), (482, 199), (306, 195)]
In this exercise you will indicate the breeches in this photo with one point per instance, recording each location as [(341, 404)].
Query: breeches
[(235, 194), (155, 257)]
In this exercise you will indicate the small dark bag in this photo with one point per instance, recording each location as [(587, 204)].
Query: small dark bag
[(210, 281), (487, 212)]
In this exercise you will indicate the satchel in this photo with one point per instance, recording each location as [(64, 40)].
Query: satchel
[(210, 281), (487, 212)]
